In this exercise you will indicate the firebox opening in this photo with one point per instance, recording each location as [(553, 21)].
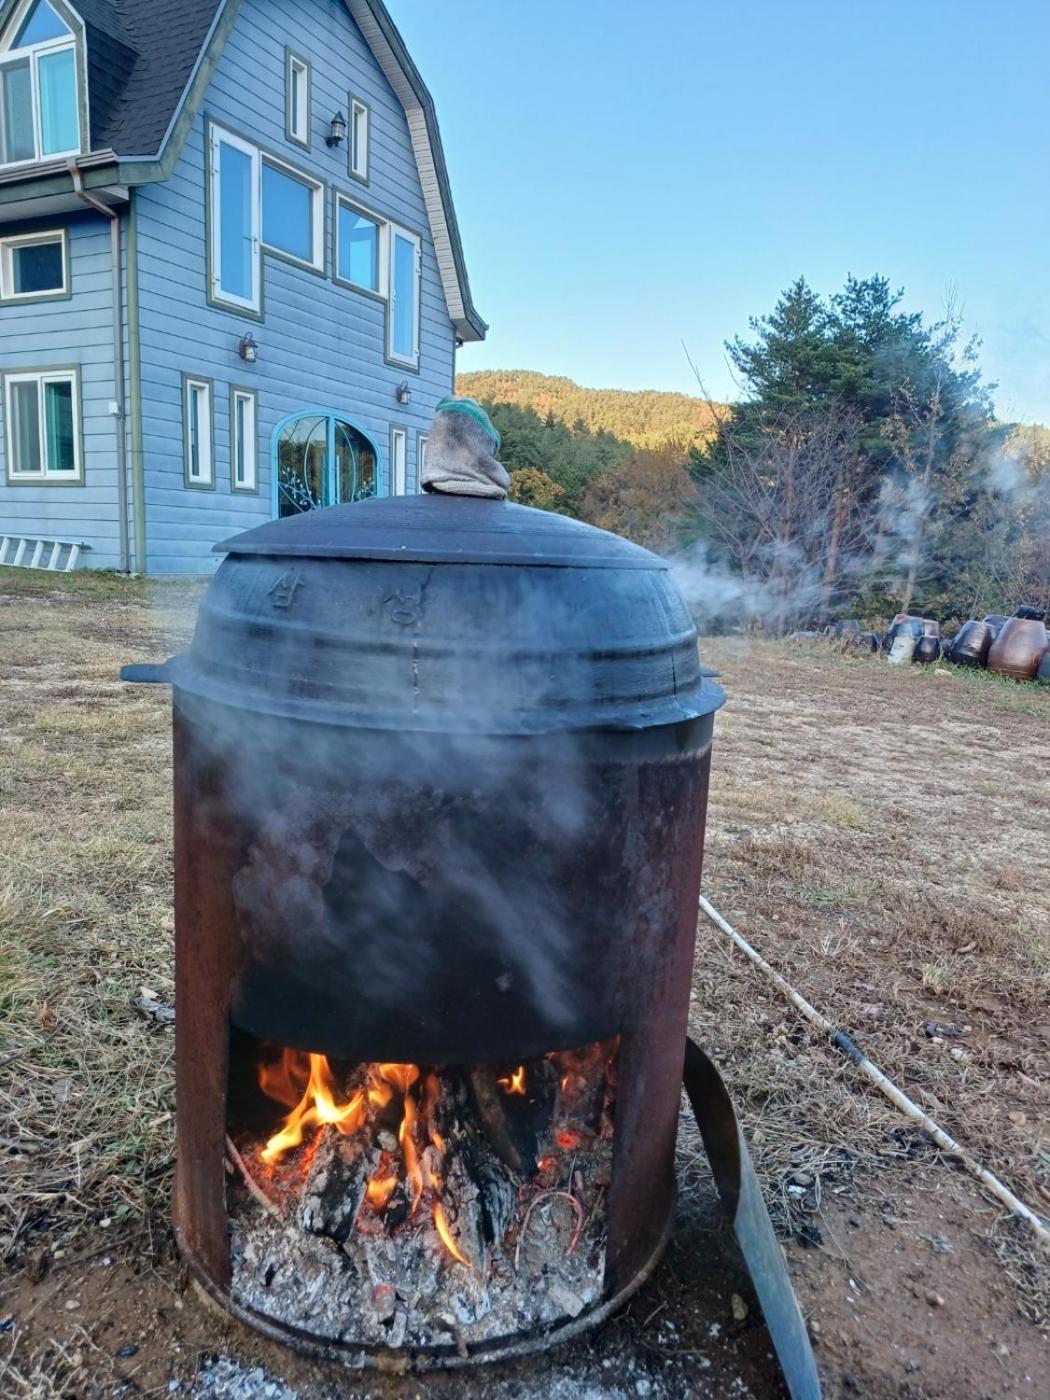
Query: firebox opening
[(402, 1205)]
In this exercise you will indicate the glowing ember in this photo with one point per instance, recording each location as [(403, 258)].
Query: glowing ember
[(446, 1235), (514, 1083), (566, 1139), (380, 1189)]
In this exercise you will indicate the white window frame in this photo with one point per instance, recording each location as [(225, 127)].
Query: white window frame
[(7, 264), (397, 231), (421, 458), (41, 377), (380, 290), (33, 52), (219, 136), (297, 114), (359, 139), (398, 461), (248, 443), (316, 188), (204, 480)]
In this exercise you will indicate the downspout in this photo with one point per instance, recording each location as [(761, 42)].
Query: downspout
[(118, 360)]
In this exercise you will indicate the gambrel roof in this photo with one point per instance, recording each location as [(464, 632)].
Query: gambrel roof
[(149, 62)]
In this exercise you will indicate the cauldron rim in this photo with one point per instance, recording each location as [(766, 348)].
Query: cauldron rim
[(435, 529)]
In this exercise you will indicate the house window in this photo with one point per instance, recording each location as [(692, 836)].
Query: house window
[(39, 103), (421, 459), (256, 201), (292, 217), (234, 221), (243, 441), (297, 100), (197, 431), (359, 119), (358, 247), (42, 410), (398, 453), (33, 265), (403, 316)]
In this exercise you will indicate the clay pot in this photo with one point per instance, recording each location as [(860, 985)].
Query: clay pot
[(903, 625), (995, 622), (903, 648), (971, 644), (1018, 648), (927, 649)]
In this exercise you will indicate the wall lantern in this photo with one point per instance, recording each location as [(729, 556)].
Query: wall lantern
[(403, 393), (337, 131), (248, 348)]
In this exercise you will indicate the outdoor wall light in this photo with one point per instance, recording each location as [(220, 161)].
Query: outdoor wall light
[(247, 348), (337, 131), (403, 393)]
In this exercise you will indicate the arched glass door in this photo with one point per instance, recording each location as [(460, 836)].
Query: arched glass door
[(321, 460)]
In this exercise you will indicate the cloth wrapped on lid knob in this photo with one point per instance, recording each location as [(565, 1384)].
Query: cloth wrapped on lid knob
[(461, 452)]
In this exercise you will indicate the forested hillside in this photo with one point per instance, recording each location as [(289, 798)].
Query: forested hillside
[(862, 470), (645, 418)]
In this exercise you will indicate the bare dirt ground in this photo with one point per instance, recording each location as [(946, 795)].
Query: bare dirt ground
[(881, 834)]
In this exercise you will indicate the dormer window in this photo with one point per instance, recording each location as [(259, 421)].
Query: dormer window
[(39, 105)]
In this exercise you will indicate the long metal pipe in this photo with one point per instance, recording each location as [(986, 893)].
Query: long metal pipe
[(842, 1042), (118, 360)]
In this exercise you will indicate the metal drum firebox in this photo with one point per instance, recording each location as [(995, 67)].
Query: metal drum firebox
[(441, 774)]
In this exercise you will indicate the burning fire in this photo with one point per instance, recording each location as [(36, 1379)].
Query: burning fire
[(446, 1234), (514, 1083), (306, 1086), (316, 1104)]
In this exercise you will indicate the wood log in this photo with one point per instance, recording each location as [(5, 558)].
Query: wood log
[(492, 1114), (336, 1184)]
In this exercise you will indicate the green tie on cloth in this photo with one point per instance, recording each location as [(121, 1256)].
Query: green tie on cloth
[(461, 452)]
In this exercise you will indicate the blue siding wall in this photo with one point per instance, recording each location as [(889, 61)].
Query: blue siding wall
[(78, 330), (320, 345)]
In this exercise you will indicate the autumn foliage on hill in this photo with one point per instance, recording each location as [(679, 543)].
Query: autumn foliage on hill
[(647, 418)]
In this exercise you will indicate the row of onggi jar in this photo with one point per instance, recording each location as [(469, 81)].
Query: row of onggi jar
[(1016, 646)]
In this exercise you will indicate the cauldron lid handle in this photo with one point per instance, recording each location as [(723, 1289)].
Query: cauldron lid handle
[(146, 674), (742, 1196)]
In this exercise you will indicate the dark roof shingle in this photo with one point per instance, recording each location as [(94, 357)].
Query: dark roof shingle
[(141, 55)]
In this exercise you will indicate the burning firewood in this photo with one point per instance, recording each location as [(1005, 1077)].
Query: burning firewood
[(336, 1184), (430, 1196)]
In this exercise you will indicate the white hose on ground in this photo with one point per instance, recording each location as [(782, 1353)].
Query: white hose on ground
[(912, 1110)]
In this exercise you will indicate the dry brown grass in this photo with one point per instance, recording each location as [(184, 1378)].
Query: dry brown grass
[(85, 911), (893, 890)]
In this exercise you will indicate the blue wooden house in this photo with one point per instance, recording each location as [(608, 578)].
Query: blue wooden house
[(231, 278)]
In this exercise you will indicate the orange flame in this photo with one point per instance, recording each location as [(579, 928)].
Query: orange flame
[(380, 1189), (315, 1107), (514, 1083), (408, 1151), (446, 1235), (402, 1077)]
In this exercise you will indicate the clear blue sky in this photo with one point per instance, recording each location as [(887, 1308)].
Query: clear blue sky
[(627, 177)]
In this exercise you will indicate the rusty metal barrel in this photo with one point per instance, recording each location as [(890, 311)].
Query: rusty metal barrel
[(441, 772)]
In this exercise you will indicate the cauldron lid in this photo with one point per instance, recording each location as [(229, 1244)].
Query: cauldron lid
[(437, 529)]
